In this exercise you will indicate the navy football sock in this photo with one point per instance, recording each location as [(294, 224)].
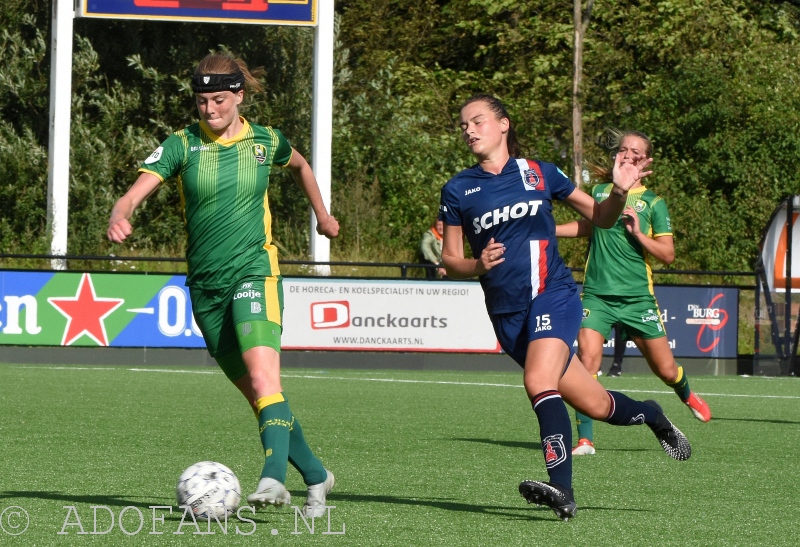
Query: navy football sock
[(627, 411), (556, 433)]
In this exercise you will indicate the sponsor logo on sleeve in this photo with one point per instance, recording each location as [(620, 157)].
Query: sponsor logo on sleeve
[(155, 156)]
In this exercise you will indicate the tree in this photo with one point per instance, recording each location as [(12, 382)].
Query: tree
[(712, 82), (581, 18)]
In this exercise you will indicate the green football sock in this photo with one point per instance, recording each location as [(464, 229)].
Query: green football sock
[(584, 424), (681, 385), (301, 457), (274, 421)]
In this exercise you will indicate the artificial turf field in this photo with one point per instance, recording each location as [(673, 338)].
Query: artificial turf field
[(421, 458)]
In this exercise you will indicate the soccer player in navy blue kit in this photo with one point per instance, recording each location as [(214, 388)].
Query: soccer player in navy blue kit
[(503, 206)]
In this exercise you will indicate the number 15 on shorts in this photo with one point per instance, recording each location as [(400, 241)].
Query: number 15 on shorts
[(543, 322)]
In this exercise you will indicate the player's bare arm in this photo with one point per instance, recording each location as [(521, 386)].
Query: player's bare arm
[(460, 267), (119, 226), (576, 228), (627, 173), (327, 225), (603, 215), (662, 248)]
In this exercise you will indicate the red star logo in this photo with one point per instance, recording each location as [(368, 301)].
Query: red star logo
[(85, 313)]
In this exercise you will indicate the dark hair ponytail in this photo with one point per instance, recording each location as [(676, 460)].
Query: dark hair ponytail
[(500, 112)]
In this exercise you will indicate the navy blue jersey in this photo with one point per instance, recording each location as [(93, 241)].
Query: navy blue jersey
[(516, 209)]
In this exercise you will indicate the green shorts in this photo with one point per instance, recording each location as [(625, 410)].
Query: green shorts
[(254, 305), (638, 315)]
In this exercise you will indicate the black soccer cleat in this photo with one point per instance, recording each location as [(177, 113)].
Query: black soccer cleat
[(615, 371), (542, 493), (672, 440)]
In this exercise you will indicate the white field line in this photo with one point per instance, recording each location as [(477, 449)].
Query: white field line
[(398, 381)]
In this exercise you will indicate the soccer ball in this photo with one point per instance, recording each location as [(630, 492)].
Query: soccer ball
[(210, 489)]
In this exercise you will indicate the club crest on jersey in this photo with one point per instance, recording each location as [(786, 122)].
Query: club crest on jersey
[(586, 313), (639, 206), (260, 153), (531, 178)]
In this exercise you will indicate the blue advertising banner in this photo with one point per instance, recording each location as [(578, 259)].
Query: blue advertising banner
[(700, 322), (83, 309), (154, 310), (265, 12)]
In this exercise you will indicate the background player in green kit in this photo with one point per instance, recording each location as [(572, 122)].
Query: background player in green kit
[(222, 165), (618, 285)]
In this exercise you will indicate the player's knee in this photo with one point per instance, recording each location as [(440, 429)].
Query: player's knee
[(534, 385), (599, 409), (264, 388), (591, 361), (669, 374), (669, 380), (265, 377)]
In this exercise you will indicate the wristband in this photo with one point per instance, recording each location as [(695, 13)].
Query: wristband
[(620, 194)]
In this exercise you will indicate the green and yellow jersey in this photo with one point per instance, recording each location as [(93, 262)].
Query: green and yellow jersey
[(617, 264), (223, 187)]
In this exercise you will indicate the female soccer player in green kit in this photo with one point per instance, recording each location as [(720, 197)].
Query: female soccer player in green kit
[(222, 165), (618, 284)]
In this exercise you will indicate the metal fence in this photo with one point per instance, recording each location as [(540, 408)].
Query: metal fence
[(403, 269)]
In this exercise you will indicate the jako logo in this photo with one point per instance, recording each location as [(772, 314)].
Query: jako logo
[(330, 315)]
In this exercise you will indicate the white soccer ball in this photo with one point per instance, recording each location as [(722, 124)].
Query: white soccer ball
[(210, 489)]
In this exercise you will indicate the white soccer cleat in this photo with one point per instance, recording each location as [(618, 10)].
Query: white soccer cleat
[(317, 495), (270, 492)]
